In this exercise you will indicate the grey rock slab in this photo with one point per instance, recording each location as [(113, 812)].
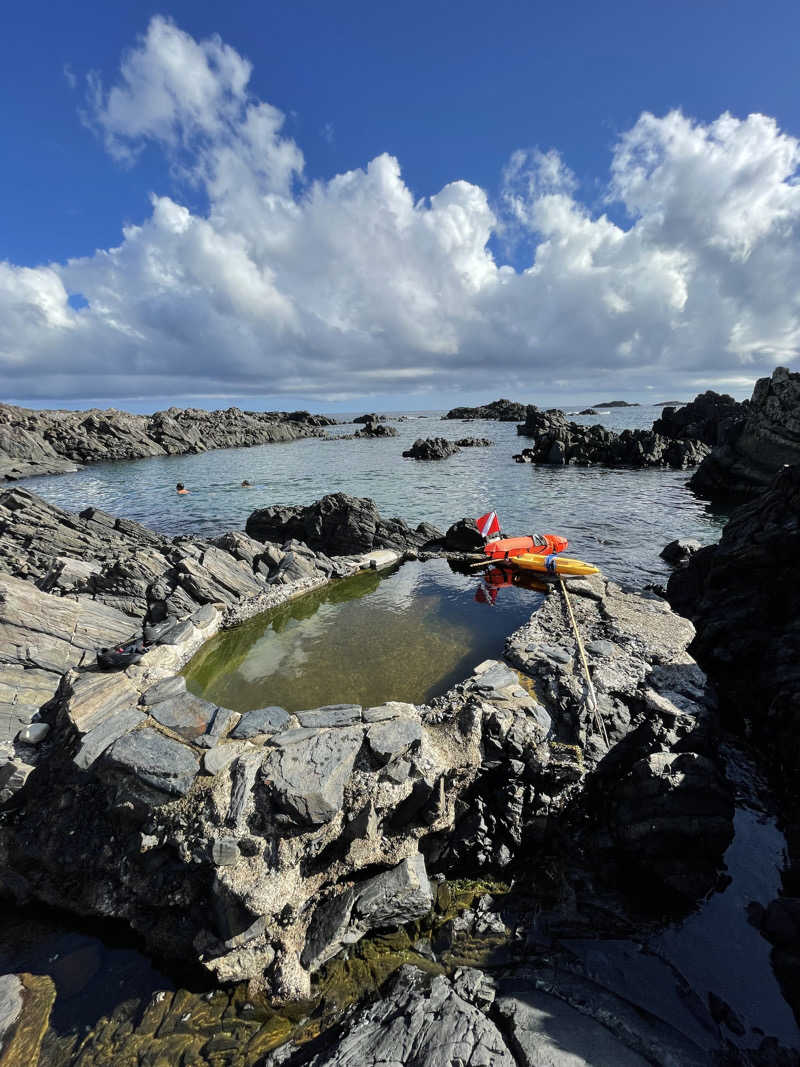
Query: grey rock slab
[(309, 776), (166, 689), (393, 738), (222, 756), (496, 677), (419, 1025), (243, 777), (392, 709), (330, 715), (395, 897), (390, 898), (187, 715), (94, 698), (204, 616), (13, 776), (96, 741), (261, 721), (544, 1031), (158, 760), (178, 633)]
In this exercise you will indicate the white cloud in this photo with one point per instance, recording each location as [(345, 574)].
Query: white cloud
[(332, 288)]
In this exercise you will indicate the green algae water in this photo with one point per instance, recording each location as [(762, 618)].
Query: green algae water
[(406, 634)]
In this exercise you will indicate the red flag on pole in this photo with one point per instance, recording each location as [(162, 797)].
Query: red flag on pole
[(488, 525)]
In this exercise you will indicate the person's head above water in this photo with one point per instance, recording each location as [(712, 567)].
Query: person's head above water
[(180, 488), (246, 484)]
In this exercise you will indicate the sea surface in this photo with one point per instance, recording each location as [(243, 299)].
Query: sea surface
[(618, 519)]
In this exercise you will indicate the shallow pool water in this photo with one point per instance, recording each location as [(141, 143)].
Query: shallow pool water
[(406, 634)]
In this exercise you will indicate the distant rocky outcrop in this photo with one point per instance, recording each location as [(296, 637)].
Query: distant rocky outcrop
[(373, 428), (754, 445), (617, 404), (370, 418), (588, 411), (559, 442), (431, 448), (502, 410), (710, 418), (338, 524), (54, 442), (473, 442)]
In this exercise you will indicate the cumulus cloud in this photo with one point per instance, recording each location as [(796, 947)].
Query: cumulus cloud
[(351, 286)]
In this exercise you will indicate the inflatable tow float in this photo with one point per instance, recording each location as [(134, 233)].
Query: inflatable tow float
[(538, 553)]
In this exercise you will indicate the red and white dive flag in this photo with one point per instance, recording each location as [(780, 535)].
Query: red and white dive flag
[(488, 525)]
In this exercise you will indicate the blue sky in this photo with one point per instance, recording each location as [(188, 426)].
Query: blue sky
[(451, 92)]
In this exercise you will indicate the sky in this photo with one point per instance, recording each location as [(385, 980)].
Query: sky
[(360, 205)]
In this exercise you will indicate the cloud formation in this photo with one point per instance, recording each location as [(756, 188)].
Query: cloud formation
[(349, 287)]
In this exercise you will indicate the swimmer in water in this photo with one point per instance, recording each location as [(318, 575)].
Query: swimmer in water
[(181, 489), (246, 484)]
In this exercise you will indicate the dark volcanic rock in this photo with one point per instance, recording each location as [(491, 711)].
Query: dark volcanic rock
[(743, 595), (370, 418), (376, 429), (709, 418), (337, 524), (680, 551), (558, 441), (751, 449), (502, 410), (51, 442), (463, 536), (617, 404), (416, 1023), (588, 411), (431, 448), (474, 442)]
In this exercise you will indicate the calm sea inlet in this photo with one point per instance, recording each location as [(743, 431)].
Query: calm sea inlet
[(618, 519)]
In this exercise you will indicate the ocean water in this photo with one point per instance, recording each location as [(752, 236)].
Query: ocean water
[(618, 519)]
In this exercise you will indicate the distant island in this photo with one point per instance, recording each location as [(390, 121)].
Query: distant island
[(616, 404)]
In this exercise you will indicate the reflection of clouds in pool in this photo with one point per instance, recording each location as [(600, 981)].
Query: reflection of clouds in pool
[(411, 636)]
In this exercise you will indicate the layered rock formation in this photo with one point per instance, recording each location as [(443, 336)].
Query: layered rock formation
[(263, 845), (502, 410), (557, 441), (753, 445), (53, 442)]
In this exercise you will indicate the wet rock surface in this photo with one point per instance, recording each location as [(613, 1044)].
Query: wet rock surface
[(338, 524), (428, 448), (559, 442), (53, 442), (753, 445)]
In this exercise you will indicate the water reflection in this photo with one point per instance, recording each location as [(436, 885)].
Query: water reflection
[(408, 635)]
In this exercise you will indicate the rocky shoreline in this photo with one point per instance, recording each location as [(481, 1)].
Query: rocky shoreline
[(268, 846), (58, 442)]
